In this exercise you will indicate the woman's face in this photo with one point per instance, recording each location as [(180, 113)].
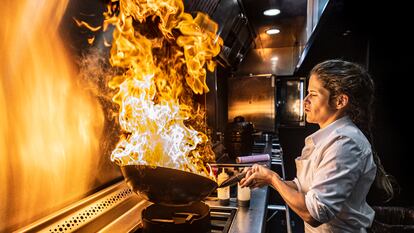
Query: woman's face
[(316, 104)]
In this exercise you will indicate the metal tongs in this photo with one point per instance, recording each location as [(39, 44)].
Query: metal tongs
[(233, 180), (236, 178)]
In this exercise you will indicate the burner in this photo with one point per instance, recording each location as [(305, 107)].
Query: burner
[(177, 219)]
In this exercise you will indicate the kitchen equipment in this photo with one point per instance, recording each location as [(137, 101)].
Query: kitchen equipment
[(223, 193), (233, 180), (191, 218), (167, 186), (239, 137), (243, 196), (236, 178)]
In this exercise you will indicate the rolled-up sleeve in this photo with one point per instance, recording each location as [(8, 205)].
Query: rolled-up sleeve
[(296, 181), (334, 179)]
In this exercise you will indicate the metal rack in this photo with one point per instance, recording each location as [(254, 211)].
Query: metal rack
[(277, 160)]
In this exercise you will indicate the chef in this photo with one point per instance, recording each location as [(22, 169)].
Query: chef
[(338, 164)]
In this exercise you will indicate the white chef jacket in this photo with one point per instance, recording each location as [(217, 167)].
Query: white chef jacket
[(335, 172)]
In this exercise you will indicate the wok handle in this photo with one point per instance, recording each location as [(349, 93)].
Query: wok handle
[(233, 180)]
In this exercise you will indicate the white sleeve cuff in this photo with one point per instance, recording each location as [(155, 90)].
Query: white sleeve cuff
[(296, 181), (316, 208)]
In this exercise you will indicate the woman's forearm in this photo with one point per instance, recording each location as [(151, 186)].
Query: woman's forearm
[(296, 200), (291, 184)]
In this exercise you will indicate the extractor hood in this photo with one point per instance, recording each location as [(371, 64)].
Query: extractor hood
[(234, 27)]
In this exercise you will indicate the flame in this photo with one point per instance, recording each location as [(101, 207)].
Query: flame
[(163, 52), (86, 25), (49, 126)]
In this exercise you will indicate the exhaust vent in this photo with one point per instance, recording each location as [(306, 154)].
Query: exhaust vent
[(87, 214), (93, 213), (206, 6)]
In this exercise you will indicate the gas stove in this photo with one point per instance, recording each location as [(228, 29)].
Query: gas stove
[(115, 209), (221, 219)]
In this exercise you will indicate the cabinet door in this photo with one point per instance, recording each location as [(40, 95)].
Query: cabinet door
[(289, 103)]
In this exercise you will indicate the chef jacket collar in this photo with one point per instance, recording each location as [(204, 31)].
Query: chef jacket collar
[(319, 135)]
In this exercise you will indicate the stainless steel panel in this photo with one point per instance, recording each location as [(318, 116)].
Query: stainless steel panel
[(254, 99), (278, 61)]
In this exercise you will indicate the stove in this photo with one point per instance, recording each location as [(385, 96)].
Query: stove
[(117, 209), (221, 219)]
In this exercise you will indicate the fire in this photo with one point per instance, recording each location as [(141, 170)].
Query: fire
[(163, 52), (49, 126)]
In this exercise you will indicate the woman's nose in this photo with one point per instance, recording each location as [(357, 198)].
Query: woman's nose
[(306, 99)]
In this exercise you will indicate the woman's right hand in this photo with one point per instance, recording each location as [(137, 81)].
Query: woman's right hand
[(258, 176)]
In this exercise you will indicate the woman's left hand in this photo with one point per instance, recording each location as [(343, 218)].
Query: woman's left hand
[(258, 176)]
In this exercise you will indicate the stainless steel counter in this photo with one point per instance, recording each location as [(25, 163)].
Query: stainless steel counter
[(248, 219)]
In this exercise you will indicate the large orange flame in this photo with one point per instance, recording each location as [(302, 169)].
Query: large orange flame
[(49, 126), (163, 53)]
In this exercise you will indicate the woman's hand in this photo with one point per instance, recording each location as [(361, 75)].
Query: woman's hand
[(258, 176)]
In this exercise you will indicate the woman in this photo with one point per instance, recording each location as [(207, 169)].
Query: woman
[(337, 165)]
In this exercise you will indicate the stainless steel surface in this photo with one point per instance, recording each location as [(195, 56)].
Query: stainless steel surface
[(276, 207), (291, 22), (254, 99), (248, 219), (234, 27), (287, 45), (107, 209), (260, 60)]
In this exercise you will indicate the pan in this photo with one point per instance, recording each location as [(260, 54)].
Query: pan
[(167, 186)]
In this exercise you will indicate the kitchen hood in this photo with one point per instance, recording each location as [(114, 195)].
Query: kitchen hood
[(234, 27)]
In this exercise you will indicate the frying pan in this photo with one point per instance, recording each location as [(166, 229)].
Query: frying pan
[(167, 186)]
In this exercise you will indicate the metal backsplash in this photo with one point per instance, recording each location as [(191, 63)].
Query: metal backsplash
[(253, 97)]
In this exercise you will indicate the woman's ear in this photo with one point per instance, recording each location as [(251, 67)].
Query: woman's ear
[(342, 101)]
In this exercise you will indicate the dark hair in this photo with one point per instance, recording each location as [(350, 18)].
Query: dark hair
[(342, 77)]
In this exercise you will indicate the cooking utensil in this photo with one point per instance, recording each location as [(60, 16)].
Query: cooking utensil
[(167, 186), (236, 178), (233, 180)]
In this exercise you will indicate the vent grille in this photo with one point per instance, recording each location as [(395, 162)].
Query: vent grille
[(90, 212), (206, 6)]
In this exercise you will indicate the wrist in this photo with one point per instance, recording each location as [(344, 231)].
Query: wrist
[(276, 179)]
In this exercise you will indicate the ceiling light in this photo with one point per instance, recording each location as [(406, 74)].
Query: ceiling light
[(271, 12), (272, 31)]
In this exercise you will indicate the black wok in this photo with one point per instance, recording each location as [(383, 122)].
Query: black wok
[(167, 186)]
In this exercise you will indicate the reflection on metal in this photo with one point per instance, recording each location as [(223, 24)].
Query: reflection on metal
[(253, 97), (114, 208), (291, 94), (261, 61), (50, 123)]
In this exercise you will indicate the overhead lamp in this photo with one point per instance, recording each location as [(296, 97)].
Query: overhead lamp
[(274, 59), (272, 31), (271, 12)]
